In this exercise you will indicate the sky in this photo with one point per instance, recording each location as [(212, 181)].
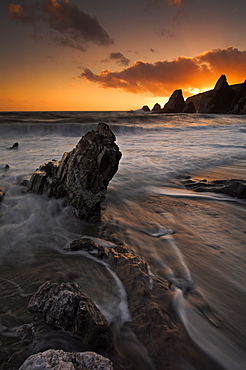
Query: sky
[(83, 55)]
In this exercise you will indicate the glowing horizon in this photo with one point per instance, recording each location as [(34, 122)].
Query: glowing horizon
[(59, 56)]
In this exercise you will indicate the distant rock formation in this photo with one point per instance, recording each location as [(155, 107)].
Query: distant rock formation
[(82, 175), (175, 104), (145, 108), (58, 359), (189, 108), (223, 99), (156, 108)]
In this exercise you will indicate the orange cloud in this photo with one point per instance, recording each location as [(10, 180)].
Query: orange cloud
[(163, 77), (71, 26)]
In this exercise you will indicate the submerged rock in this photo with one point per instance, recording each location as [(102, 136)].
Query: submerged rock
[(82, 175), (149, 300), (60, 360), (65, 306), (14, 146), (175, 104), (234, 187)]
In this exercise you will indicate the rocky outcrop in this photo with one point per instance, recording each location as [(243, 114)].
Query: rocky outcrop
[(82, 175), (156, 108), (234, 187), (60, 360), (175, 104), (220, 98), (145, 108), (65, 306), (189, 108), (239, 101), (223, 99)]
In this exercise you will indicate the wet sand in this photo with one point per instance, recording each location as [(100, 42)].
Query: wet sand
[(202, 253)]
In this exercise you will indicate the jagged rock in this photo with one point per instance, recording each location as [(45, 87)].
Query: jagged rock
[(156, 108), (239, 101), (175, 104), (2, 193), (220, 98), (60, 360), (64, 305), (234, 187), (82, 175), (145, 108), (189, 108)]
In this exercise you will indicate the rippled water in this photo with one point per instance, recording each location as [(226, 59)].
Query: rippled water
[(200, 248)]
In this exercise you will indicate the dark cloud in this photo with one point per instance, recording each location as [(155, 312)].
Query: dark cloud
[(118, 58), (167, 33), (163, 77), (71, 26), (35, 36), (153, 50)]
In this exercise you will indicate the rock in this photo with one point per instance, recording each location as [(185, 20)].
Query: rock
[(239, 102), (156, 108), (189, 108), (234, 187), (14, 146), (175, 104), (220, 98), (145, 108), (26, 333), (65, 306), (2, 193), (149, 301), (60, 360), (82, 175)]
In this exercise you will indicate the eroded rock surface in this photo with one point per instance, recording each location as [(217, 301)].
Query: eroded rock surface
[(60, 360), (65, 306), (82, 175), (233, 187), (149, 301)]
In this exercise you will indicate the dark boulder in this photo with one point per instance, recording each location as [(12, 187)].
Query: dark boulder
[(219, 100), (82, 175), (189, 108), (58, 359), (234, 187), (175, 104), (65, 306), (14, 146), (145, 108), (156, 108)]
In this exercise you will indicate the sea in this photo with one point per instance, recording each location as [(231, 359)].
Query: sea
[(196, 241)]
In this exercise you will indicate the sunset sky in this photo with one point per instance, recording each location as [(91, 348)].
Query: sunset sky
[(116, 54)]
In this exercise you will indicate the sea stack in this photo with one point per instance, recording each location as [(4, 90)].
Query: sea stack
[(82, 175)]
